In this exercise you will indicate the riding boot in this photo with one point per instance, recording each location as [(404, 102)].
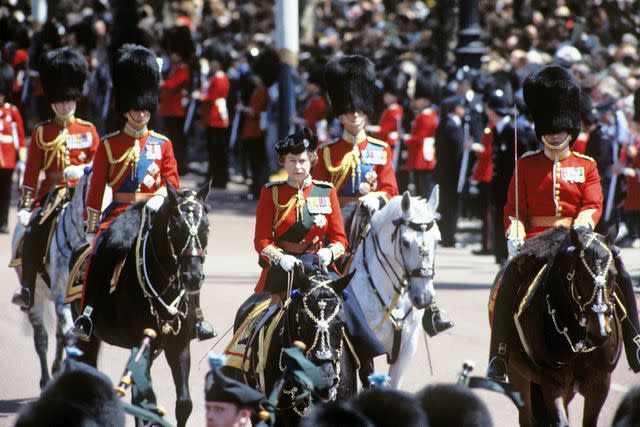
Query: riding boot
[(630, 324), (202, 331), (366, 369), (433, 323), (32, 256)]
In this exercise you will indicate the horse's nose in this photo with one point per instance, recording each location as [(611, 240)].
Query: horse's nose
[(422, 300)]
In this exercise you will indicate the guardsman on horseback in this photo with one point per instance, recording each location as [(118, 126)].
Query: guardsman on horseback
[(13, 148), (298, 221), (135, 162), (62, 148), (556, 187)]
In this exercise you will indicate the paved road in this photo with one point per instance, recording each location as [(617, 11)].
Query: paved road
[(463, 282)]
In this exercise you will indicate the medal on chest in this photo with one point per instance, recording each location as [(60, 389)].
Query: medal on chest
[(377, 157), (572, 174), (79, 141), (153, 151), (319, 205)]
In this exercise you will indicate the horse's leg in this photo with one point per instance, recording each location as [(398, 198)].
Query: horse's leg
[(595, 390), (523, 385), (178, 357), (60, 344), (90, 350), (40, 336), (410, 337), (553, 396)]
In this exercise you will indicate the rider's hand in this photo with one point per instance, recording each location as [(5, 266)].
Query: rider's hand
[(371, 202), (325, 256), (287, 262), (73, 173), (155, 202), (24, 216), (513, 246)]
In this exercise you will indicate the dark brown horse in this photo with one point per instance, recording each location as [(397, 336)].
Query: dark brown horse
[(566, 336)]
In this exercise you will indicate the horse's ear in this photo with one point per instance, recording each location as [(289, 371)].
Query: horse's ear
[(203, 192), (406, 205), (575, 237), (172, 193), (340, 284), (434, 199)]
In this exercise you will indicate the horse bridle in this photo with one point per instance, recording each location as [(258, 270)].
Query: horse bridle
[(192, 213)]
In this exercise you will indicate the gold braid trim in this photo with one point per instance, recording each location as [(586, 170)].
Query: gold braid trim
[(54, 149), (132, 155), (296, 200), (340, 172)]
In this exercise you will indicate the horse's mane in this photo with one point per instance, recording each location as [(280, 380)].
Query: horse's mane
[(420, 212), (545, 245), (123, 230)]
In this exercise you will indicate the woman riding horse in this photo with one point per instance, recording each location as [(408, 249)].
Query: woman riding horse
[(136, 162), (556, 187), (299, 217), (61, 147)]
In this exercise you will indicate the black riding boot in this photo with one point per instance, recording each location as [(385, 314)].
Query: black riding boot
[(366, 369), (202, 332), (630, 325), (433, 323), (33, 252)]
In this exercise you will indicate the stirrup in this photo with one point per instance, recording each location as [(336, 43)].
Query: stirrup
[(497, 369), (23, 298), (78, 330)]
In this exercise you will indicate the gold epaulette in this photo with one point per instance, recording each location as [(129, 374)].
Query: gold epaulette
[(377, 142), (84, 122), (584, 156), (272, 183), (322, 183), (531, 153), (158, 135), (328, 143), (109, 135)]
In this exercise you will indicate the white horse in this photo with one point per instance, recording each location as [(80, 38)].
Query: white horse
[(394, 266), (69, 233)]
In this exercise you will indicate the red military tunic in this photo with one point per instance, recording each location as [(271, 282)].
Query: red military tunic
[(173, 89), (551, 195), (632, 202), (389, 121), (289, 220), (54, 147), (483, 169), (113, 164), (12, 139), (259, 102), (420, 145), (315, 111), (215, 113), (580, 146), (357, 166)]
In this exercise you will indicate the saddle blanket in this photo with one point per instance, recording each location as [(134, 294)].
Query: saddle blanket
[(75, 284)]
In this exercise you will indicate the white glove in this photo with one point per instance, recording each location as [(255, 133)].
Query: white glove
[(73, 173), (24, 216), (371, 202), (155, 202), (287, 262), (90, 237), (513, 246), (325, 256)]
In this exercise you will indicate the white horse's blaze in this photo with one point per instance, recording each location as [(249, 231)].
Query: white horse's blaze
[(412, 250)]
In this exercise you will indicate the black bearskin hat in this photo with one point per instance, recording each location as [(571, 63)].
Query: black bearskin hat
[(79, 395), (395, 82), (267, 66), (135, 79), (179, 40), (298, 142), (351, 83), (6, 79), (216, 50), (553, 97), (427, 86), (453, 405), (316, 73), (378, 403), (62, 74)]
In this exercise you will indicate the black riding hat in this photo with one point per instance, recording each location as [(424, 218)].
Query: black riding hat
[(297, 142)]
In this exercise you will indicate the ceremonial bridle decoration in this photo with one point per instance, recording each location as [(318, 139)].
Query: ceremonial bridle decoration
[(192, 213), (599, 301)]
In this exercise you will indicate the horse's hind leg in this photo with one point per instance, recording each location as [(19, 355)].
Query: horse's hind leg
[(179, 359), (595, 391), (60, 344), (40, 337), (90, 350)]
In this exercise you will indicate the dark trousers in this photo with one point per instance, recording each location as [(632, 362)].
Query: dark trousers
[(34, 250), (6, 182), (173, 129), (486, 214), (633, 224), (499, 239), (218, 147), (424, 183), (258, 164), (449, 214)]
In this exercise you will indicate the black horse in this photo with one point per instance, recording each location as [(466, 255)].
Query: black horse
[(565, 334), (162, 273), (314, 315)]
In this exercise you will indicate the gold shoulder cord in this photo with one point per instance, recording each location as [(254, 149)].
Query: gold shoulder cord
[(350, 162), (297, 201), (132, 155), (54, 149)]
